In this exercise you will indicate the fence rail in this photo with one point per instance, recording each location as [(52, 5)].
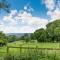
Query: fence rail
[(35, 48), (31, 52)]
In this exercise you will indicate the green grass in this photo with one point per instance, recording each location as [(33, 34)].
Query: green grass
[(26, 52), (40, 45)]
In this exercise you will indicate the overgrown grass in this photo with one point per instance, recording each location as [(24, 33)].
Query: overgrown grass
[(34, 55), (40, 45), (29, 54)]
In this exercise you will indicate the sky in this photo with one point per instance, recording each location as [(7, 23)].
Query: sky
[(26, 16)]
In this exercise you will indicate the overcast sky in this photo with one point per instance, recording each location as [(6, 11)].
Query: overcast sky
[(28, 15)]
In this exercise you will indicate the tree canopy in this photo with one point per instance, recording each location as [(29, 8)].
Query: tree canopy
[(50, 34), (4, 5)]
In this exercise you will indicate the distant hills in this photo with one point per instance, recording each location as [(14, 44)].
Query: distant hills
[(17, 34)]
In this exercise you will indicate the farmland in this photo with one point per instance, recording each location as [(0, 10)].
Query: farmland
[(29, 29), (26, 53)]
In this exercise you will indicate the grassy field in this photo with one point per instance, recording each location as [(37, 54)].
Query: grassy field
[(40, 45), (27, 52)]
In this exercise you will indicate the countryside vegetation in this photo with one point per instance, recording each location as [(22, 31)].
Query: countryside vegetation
[(50, 34), (41, 38), (29, 44)]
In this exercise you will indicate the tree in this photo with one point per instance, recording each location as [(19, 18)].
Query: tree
[(4, 5), (53, 29), (12, 38), (50, 34), (32, 36), (26, 37), (3, 39), (57, 35), (40, 35)]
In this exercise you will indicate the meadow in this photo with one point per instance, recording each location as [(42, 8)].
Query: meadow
[(30, 54)]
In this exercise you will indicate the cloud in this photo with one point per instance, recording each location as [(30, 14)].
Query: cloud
[(53, 9), (50, 4), (58, 3), (25, 7), (55, 14), (21, 22), (28, 8), (24, 22), (1, 26)]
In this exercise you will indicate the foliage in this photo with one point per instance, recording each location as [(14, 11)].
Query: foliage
[(4, 5), (32, 36), (27, 37), (12, 38), (50, 34), (41, 35), (33, 54), (3, 39), (53, 29)]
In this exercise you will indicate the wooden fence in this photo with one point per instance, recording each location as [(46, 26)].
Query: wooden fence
[(37, 52), (31, 52)]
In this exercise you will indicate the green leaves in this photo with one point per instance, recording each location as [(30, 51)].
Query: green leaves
[(4, 5), (51, 34), (40, 35)]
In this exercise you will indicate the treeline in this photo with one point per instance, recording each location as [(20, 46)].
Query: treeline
[(50, 34), (4, 39)]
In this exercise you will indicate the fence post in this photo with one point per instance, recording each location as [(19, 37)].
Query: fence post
[(55, 54), (20, 51), (36, 52), (7, 49)]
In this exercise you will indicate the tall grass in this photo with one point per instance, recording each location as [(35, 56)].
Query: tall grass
[(33, 54), (30, 54)]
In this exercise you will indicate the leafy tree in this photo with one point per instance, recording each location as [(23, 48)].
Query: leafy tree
[(12, 38), (3, 39), (51, 34), (32, 36), (57, 35), (40, 35), (53, 29), (4, 5), (26, 37)]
